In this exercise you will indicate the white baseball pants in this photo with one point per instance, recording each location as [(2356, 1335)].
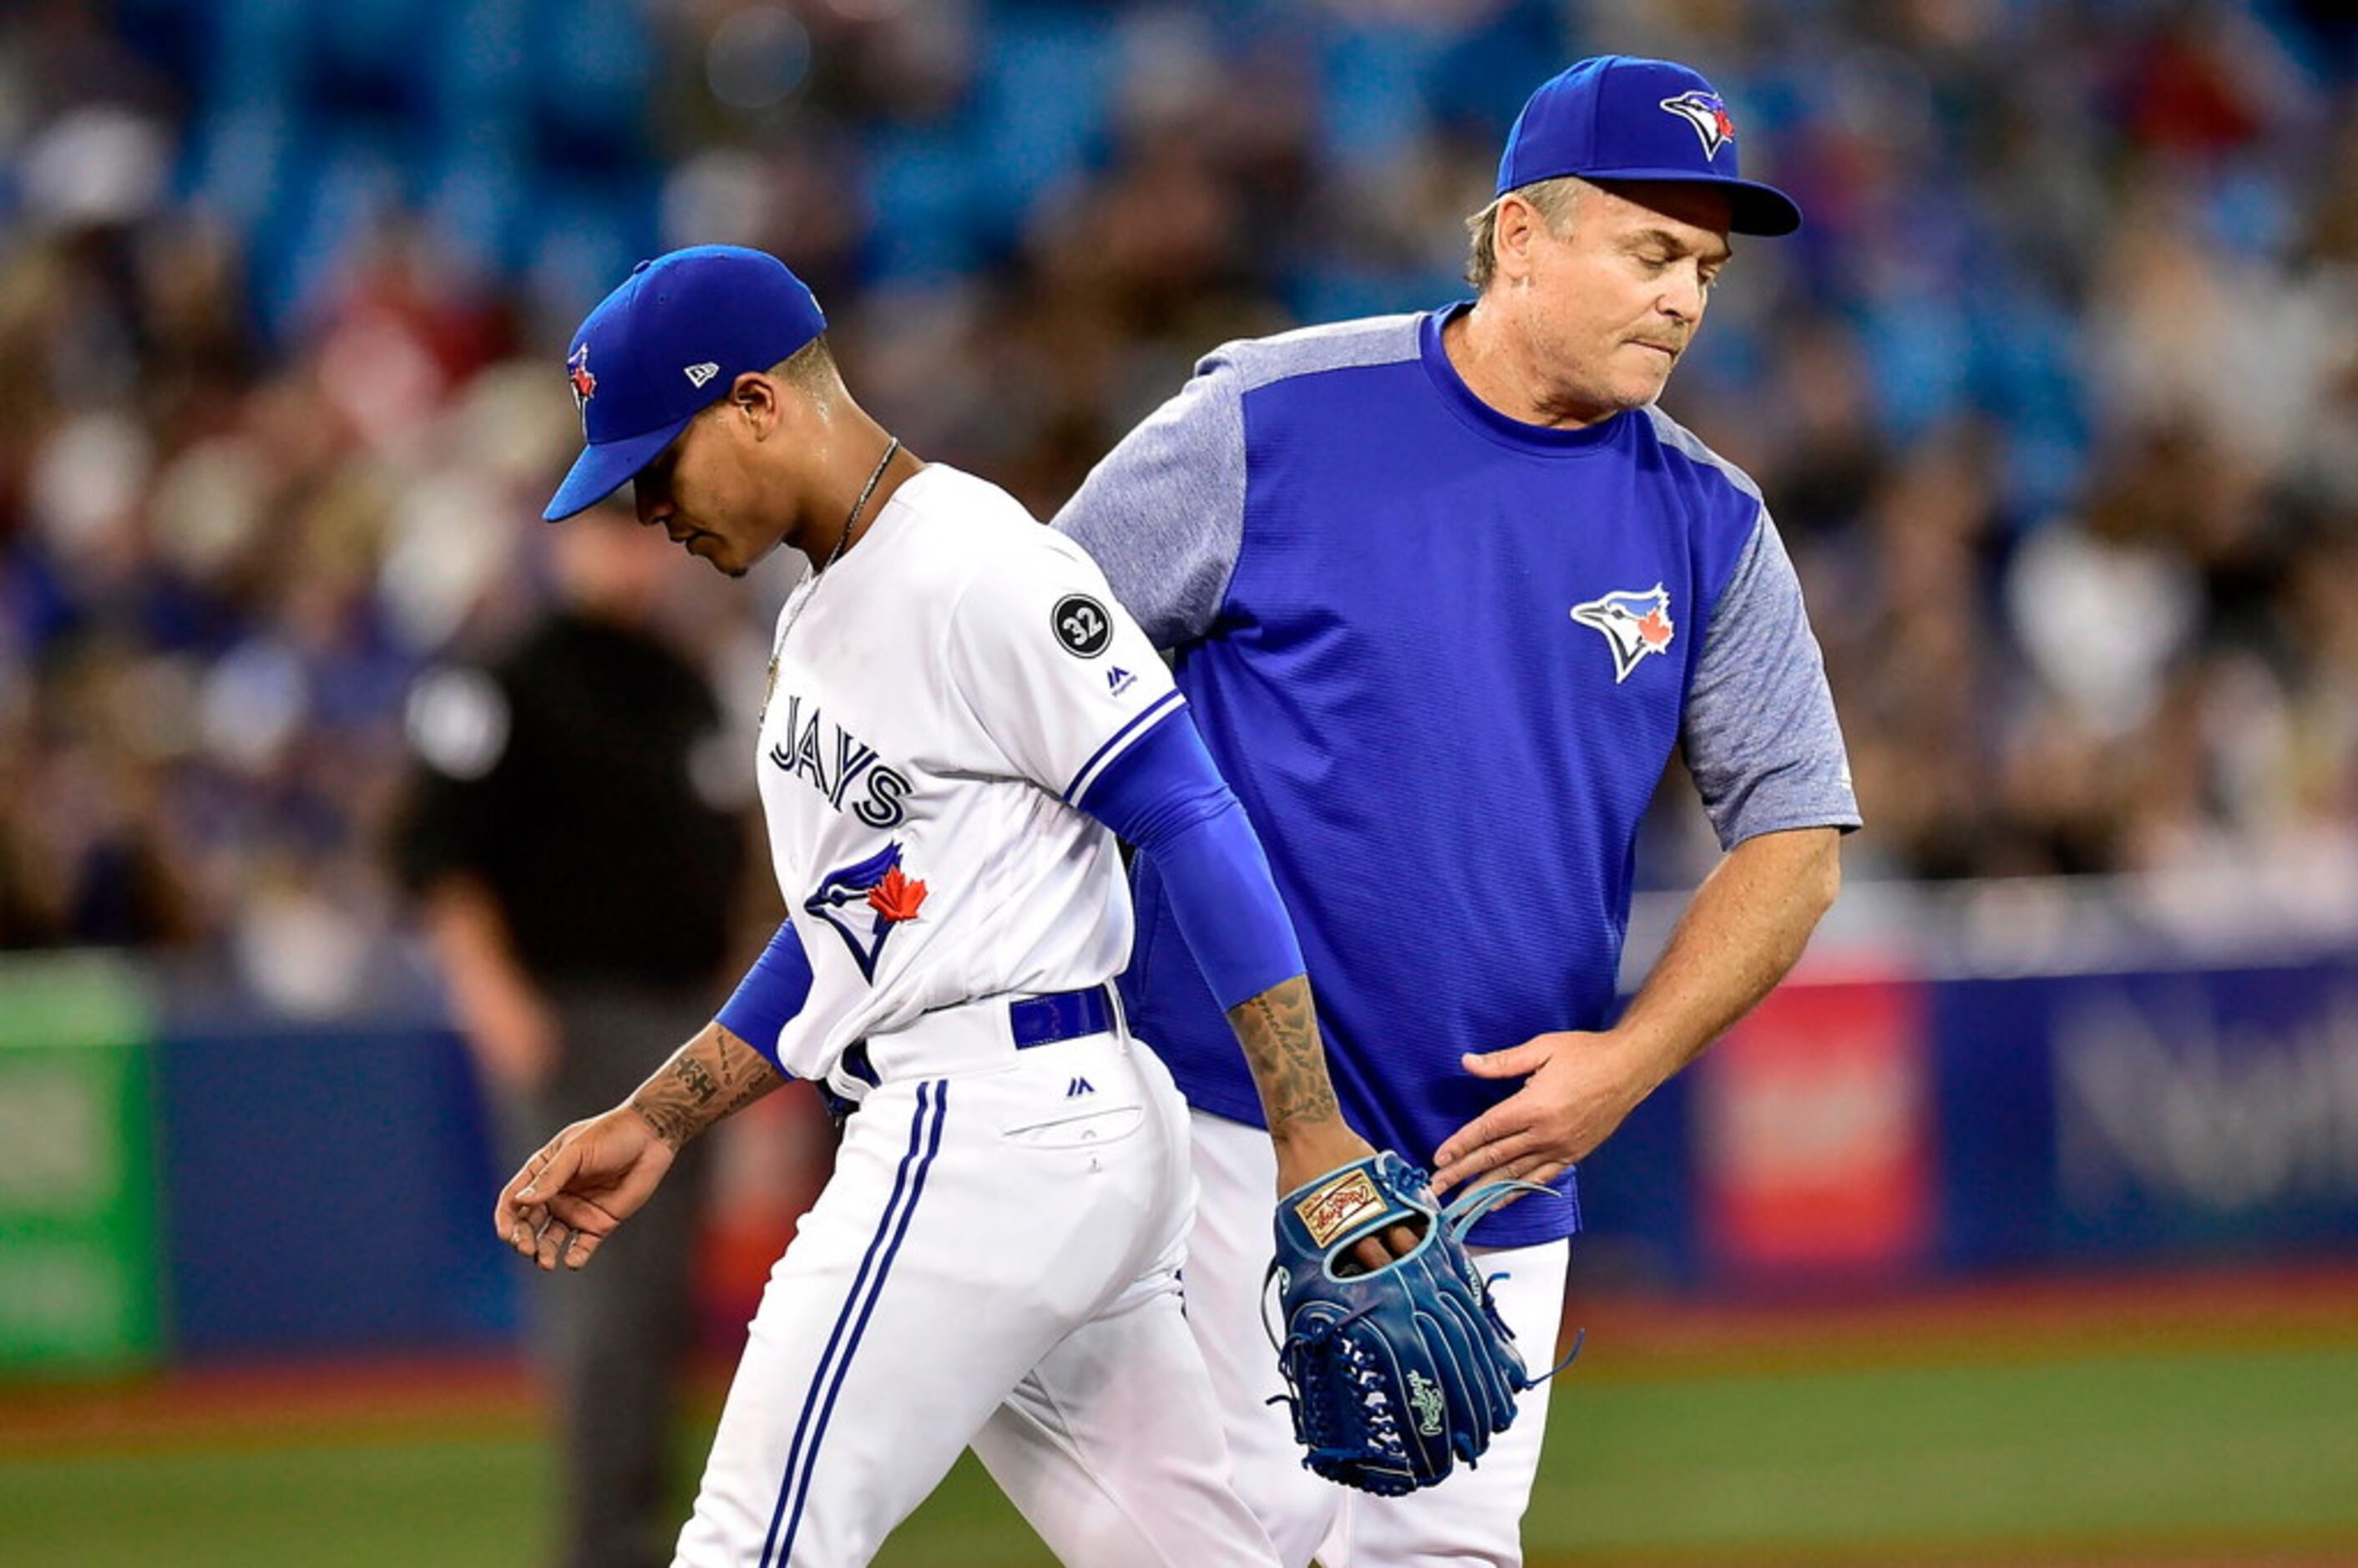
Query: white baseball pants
[(993, 1262), (1474, 1518)]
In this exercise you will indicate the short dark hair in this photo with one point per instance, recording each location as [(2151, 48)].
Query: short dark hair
[(811, 371)]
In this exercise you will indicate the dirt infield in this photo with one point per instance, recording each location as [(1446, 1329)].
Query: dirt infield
[(2270, 1308), (222, 1407), (1886, 1555), (1630, 1336)]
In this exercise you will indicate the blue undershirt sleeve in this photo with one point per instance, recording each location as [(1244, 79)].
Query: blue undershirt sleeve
[(1164, 795), (771, 994)]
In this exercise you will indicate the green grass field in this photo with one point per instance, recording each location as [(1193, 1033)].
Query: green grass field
[(2063, 1444)]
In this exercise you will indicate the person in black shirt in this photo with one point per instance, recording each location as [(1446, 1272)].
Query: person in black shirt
[(577, 890)]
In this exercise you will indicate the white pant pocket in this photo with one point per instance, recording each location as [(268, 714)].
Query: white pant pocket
[(1096, 1125)]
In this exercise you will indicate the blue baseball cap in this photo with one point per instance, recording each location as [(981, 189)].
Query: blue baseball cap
[(668, 344), (1619, 117)]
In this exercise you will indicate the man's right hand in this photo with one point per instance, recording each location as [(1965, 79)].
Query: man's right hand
[(586, 1181)]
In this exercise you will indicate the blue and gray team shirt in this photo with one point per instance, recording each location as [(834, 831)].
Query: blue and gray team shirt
[(1442, 657)]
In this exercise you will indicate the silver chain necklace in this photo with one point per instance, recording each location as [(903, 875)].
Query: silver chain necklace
[(808, 587)]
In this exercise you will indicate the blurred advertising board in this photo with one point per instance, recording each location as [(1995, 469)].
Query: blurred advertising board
[(1860, 1130), (2194, 1113), (1882, 1129), (79, 1267), (1812, 1135), (324, 1183), (331, 1183)]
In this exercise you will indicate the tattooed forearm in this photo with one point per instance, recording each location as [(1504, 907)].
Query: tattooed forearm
[(695, 1078), (755, 1086), (672, 1124), (712, 1077), (1278, 1030)]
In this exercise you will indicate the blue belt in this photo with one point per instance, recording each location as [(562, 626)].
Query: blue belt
[(1060, 1015), (1034, 1020)]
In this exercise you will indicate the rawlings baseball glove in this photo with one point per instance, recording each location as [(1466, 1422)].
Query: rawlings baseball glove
[(1394, 1374)]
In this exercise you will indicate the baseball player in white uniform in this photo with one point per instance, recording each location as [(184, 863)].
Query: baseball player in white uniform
[(960, 718)]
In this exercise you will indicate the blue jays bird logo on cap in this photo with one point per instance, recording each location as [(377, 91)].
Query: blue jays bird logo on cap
[(1611, 117), (1633, 624), (585, 385), (865, 901), (1707, 115)]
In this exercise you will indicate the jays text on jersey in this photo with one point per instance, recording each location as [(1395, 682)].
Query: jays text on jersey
[(1442, 657)]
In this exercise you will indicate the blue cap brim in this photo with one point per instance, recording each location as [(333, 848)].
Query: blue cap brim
[(1755, 209), (606, 467)]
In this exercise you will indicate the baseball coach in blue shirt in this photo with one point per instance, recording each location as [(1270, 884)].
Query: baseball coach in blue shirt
[(1444, 591)]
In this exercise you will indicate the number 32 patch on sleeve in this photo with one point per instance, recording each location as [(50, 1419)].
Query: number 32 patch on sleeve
[(1082, 625)]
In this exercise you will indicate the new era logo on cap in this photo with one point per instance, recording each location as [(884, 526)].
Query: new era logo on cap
[(715, 311)]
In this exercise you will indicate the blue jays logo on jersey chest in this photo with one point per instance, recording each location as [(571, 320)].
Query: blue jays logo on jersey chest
[(1633, 625), (866, 902), (836, 763)]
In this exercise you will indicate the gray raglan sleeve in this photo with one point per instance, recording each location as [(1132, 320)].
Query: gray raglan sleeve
[(1760, 735), (1163, 514)]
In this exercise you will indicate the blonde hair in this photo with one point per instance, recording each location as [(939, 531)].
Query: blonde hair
[(1552, 200)]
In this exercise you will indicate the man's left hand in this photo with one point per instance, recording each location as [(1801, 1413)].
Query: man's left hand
[(1579, 1086), (560, 1207)]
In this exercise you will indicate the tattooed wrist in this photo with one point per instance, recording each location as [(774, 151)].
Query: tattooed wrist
[(712, 1077), (1279, 1031), (669, 1121)]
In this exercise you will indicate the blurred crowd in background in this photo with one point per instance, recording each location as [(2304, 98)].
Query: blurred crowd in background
[(2055, 398)]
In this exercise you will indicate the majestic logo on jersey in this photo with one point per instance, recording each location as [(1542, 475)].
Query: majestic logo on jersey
[(833, 759), (1082, 625), (1708, 115), (1633, 625), (1078, 1087), (585, 385), (1118, 680), (865, 901)]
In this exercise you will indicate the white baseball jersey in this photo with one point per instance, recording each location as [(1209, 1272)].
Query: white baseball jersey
[(940, 695), (994, 1261)]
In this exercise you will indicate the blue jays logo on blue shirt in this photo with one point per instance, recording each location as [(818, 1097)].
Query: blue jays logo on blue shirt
[(865, 901), (1633, 624), (1708, 115)]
